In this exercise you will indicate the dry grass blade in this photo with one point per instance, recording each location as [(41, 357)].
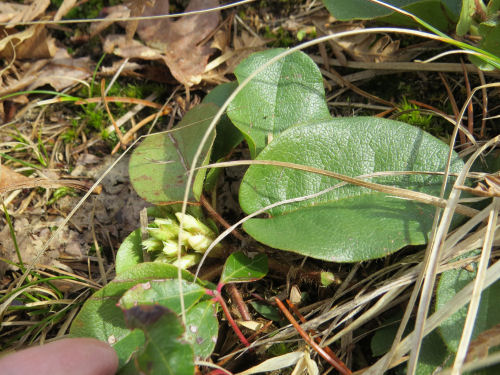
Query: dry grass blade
[(459, 300), (478, 288), (438, 237), (398, 192), (341, 369)]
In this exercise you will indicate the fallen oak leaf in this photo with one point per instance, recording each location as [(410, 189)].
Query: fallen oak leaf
[(59, 72), (29, 13), (10, 10), (179, 44), (31, 43)]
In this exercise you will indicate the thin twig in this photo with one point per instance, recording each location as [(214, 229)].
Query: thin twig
[(308, 339)]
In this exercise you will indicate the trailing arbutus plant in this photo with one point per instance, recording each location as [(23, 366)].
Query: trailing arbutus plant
[(339, 190)]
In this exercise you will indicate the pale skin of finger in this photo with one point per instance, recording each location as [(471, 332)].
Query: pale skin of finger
[(75, 356)]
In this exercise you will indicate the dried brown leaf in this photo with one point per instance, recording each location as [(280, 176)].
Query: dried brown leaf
[(8, 178), (119, 45), (180, 44), (137, 8), (10, 10), (29, 13), (31, 43), (63, 71), (180, 40), (60, 72), (118, 11)]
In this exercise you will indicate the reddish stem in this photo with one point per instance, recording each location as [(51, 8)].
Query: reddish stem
[(308, 339), (217, 297), (317, 339), (240, 304)]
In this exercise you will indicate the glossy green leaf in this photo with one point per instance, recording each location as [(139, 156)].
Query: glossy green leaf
[(228, 136), (201, 321), (431, 11), (287, 93), (240, 268), (202, 328), (267, 311), (101, 318), (158, 167), (450, 283), (364, 9), (162, 292), (490, 33), (350, 223), (165, 352), (130, 252), (465, 19)]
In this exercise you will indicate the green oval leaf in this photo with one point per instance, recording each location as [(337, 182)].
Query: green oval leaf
[(239, 268), (129, 253), (287, 93), (201, 321), (202, 328), (101, 318), (365, 9), (162, 292), (164, 352), (350, 223), (228, 136), (158, 167)]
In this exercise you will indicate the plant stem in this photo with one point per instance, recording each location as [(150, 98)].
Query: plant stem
[(240, 304), (217, 297)]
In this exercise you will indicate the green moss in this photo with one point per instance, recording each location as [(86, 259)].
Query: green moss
[(411, 114), (282, 38), (61, 192)]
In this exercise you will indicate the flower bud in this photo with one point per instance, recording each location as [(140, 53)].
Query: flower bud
[(187, 260), (199, 242), (170, 248), (152, 244), (193, 225)]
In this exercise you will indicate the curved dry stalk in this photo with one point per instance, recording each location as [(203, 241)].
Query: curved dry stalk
[(447, 53), (391, 190), (436, 319), (478, 288), (440, 233), (430, 255)]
